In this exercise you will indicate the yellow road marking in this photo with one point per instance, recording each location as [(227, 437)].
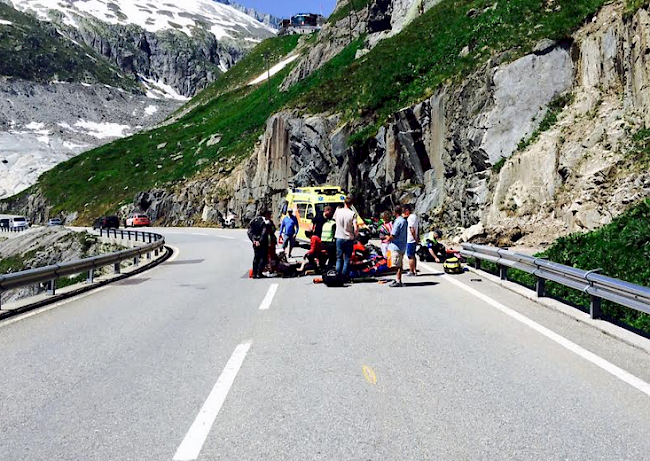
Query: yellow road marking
[(369, 374)]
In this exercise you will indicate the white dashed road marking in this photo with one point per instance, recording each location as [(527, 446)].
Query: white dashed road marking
[(192, 444), (268, 299)]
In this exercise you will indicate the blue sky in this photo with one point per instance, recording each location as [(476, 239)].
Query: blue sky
[(285, 8)]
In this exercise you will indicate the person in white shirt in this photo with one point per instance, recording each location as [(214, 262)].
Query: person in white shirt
[(347, 230), (413, 238)]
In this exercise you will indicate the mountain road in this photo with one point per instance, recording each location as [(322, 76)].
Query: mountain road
[(194, 360)]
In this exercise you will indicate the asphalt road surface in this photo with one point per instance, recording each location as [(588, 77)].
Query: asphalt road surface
[(192, 360)]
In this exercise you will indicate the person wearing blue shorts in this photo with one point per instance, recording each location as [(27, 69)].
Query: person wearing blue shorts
[(413, 236)]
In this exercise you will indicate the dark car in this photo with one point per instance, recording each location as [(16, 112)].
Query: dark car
[(4, 223), (106, 222)]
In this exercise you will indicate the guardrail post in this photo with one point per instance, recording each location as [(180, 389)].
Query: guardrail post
[(540, 287), (51, 287), (477, 263), (136, 261), (91, 276), (595, 309), (116, 269), (149, 255), (149, 237), (503, 272)]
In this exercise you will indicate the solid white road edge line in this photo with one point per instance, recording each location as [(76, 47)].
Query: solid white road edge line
[(191, 446), (44, 309), (609, 367), (268, 299)]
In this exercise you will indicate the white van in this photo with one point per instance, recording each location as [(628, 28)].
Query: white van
[(18, 222)]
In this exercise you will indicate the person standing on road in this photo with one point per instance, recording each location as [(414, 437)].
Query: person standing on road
[(288, 231), (347, 230), (259, 235), (328, 236), (397, 246), (412, 239), (317, 224)]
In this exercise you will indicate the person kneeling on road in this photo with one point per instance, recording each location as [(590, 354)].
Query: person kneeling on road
[(316, 256), (397, 246), (432, 249)]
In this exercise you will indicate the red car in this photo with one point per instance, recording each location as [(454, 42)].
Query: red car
[(138, 220)]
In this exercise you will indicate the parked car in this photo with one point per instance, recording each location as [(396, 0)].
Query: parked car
[(18, 222), (4, 223), (106, 222), (138, 220), (55, 222)]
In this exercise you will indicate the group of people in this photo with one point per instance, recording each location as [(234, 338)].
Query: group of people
[(333, 235)]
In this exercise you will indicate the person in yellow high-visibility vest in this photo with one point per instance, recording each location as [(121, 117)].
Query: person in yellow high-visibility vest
[(434, 249)]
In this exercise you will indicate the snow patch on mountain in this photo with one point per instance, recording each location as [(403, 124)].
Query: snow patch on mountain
[(6, 23), (222, 20), (274, 70), (103, 130), (158, 89)]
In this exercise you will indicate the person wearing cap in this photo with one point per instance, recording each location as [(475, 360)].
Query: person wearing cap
[(288, 231)]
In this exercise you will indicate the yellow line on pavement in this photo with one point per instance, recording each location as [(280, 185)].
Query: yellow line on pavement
[(369, 374)]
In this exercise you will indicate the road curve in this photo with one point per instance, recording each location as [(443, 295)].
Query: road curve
[(181, 363)]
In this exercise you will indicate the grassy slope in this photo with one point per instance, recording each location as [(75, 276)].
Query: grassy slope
[(398, 72), (34, 50)]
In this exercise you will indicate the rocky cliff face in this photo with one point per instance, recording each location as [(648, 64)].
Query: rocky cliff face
[(184, 46), (459, 155), (264, 18)]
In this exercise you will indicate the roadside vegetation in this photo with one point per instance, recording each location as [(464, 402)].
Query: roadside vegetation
[(632, 6), (224, 126), (620, 249), (639, 154)]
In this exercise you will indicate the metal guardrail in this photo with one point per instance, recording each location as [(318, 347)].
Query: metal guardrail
[(597, 286), (152, 243), (13, 229)]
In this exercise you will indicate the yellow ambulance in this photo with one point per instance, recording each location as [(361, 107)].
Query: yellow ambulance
[(307, 201)]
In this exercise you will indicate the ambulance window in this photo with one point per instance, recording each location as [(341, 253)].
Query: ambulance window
[(302, 210), (310, 212)]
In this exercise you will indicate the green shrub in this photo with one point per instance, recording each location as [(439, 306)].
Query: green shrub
[(499, 165), (620, 249)]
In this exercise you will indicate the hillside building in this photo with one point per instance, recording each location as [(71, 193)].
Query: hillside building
[(302, 23)]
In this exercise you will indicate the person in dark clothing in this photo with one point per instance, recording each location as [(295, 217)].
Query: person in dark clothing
[(317, 224), (259, 233)]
